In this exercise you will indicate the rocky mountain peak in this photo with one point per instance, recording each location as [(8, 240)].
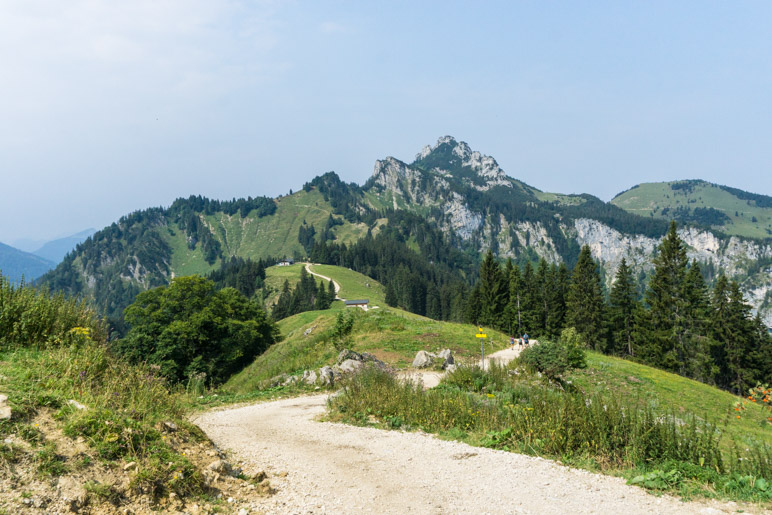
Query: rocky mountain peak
[(455, 158)]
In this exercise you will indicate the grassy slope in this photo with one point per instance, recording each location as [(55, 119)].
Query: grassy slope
[(353, 284), (654, 197), (252, 237), (184, 260), (391, 334), (277, 235), (395, 336), (667, 391), (561, 199)]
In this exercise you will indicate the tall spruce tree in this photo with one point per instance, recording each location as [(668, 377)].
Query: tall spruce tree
[(696, 343), (660, 333), (740, 341), (555, 300), (493, 292), (530, 301), (623, 302), (514, 306), (720, 332), (584, 301)]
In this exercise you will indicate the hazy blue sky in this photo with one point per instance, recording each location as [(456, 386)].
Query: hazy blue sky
[(107, 107)]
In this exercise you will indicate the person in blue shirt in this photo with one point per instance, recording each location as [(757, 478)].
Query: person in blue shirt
[(525, 339)]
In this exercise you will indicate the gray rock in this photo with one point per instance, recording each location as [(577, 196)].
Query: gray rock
[(170, 426), (309, 330), (424, 359), (223, 468), (291, 380), (326, 375), (277, 380), (347, 354), (447, 358), (451, 368), (309, 377), (349, 366)]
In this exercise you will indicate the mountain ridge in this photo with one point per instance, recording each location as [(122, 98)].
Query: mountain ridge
[(16, 264), (461, 192)]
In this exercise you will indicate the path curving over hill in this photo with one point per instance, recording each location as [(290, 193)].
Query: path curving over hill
[(336, 468), (324, 277)]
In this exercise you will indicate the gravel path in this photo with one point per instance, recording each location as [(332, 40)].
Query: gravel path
[(324, 277), (335, 468)]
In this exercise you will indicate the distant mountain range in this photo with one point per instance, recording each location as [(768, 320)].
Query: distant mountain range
[(15, 263), (55, 250), (457, 192)]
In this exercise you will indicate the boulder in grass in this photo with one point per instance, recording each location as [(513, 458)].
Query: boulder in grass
[(326, 375), (446, 355), (309, 377), (424, 359), (347, 354), (349, 366)]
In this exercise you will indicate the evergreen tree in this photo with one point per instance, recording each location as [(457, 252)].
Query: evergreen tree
[(321, 297), (696, 344), (331, 295), (555, 300), (492, 292), (623, 302), (739, 343), (514, 308), (720, 331), (529, 305), (391, 295), (472, 309), (433, 306), (584, 301), (661, 338)]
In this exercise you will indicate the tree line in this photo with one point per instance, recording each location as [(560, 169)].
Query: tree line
[(679, 324), (306, 296)]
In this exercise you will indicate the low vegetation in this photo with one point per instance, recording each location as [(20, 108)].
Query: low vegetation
[(106, 430), (511, 409)]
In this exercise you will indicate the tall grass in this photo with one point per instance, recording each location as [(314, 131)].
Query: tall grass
[(33, 317), (517, 412), (55, 360)]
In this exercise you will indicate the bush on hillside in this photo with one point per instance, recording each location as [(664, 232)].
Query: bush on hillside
[(189, 328), (32, 317), (553, 359)]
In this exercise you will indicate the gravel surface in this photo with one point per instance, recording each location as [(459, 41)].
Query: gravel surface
[(336, 468)]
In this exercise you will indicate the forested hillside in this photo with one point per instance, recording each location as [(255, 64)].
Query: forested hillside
[(419, 228), (729, 210)]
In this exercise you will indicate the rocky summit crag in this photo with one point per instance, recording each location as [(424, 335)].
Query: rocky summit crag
[(462, 193)]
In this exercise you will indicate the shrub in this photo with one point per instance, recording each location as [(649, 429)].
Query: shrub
[(553, 359), (31, 317), (189, 328)]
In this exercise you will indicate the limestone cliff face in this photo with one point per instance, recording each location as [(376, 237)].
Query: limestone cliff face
[(737, 258), (453, 186), (404, 186)]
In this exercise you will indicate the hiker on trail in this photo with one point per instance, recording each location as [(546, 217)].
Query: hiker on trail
[(525, 339), (520, 342), (512, 341)]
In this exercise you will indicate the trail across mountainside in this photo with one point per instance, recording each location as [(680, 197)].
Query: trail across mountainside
[(336, 468), (324, 277)]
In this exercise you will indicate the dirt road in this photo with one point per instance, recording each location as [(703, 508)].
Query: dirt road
[(334, 283), (335, 468)]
